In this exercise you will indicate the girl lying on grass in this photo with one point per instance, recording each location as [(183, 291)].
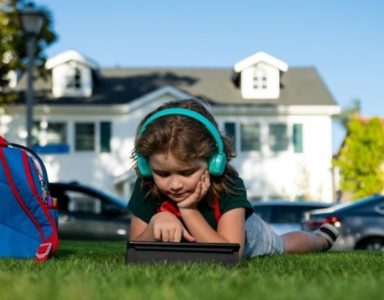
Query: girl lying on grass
[(187, 191)]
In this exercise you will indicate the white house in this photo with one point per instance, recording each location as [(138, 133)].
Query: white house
[(279, 119)]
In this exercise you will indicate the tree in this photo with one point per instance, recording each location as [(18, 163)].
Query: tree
[(348, 112), (361, 158), (13, 53)]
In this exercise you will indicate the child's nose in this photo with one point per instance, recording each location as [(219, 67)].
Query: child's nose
[(176, 184)]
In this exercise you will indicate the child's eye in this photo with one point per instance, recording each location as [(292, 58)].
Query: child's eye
[(187, 173), (161, 174)]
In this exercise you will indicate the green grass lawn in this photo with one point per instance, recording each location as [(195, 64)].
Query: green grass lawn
[(96, 270)]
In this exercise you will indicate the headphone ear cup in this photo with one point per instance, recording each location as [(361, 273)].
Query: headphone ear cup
[(217, 164), (143, 166)]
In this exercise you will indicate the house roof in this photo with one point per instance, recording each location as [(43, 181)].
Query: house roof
[(299, 86)]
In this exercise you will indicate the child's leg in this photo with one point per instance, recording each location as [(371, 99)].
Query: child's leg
[(260, 238), (301, 241)]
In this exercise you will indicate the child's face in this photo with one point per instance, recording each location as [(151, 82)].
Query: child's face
[(176, 179)]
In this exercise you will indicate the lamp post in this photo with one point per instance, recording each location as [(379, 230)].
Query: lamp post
[(31, 23)]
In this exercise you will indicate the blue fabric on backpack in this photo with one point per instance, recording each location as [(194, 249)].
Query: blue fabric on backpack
[(28, 216)]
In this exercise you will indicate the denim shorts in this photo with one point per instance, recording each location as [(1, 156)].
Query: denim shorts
[(260, 239)]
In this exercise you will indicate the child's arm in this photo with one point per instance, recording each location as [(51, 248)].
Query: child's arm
[(163, 226), (230, 229), (231, 226)]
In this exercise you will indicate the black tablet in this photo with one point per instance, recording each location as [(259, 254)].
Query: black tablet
[(165, 252)]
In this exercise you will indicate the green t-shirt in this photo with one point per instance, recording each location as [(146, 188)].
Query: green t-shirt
[(144, 209)]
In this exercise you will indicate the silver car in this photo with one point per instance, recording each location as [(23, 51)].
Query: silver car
[(361, 223)]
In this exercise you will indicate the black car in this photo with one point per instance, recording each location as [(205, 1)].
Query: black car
[(89, 213), (285, 216), (361, 223)]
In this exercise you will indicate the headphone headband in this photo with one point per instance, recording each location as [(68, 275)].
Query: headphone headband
[(188, 113)]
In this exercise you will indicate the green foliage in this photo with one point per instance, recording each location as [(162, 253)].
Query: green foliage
[(96, 270), (13, 50), (361, 158), (348, 112)]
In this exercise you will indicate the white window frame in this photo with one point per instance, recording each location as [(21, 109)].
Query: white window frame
[(260, 78)]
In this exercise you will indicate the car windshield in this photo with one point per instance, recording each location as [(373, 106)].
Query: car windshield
[(110, 196)]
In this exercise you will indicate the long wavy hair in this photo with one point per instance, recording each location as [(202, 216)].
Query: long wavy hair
[(186, 139)]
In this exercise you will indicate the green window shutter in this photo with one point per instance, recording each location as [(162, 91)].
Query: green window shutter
[(230, 132), (298, 138), (105, 136)]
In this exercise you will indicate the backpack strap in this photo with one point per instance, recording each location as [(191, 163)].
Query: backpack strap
[(5, 143), (32, 154), (52, 241)]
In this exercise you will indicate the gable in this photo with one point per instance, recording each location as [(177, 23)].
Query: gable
[(70, 55), (260, 57)]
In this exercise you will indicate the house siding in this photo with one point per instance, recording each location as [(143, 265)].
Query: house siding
[(267, 174)]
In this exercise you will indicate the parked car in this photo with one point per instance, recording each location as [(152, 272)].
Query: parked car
[(361, 223), (285, 216), (89, 213)]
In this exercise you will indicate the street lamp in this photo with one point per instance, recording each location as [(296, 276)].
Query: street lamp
[(31, 23)]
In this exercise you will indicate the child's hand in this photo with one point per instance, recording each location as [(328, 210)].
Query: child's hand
[(166, 227), (200, 192)]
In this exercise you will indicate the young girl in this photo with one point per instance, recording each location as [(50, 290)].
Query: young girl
[(187, 191)]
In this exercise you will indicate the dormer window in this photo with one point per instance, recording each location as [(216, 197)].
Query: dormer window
[(74, 79), (72, 74), (259, 78)]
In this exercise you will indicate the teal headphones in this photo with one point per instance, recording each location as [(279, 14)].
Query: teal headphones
[(218, 161)]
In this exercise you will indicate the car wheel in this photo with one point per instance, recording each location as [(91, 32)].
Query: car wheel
[(373, 244)]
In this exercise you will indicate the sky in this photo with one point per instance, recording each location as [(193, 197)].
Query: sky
[(342, 39)]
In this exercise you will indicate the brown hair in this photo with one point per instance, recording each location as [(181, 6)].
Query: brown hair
[(187, 139)]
